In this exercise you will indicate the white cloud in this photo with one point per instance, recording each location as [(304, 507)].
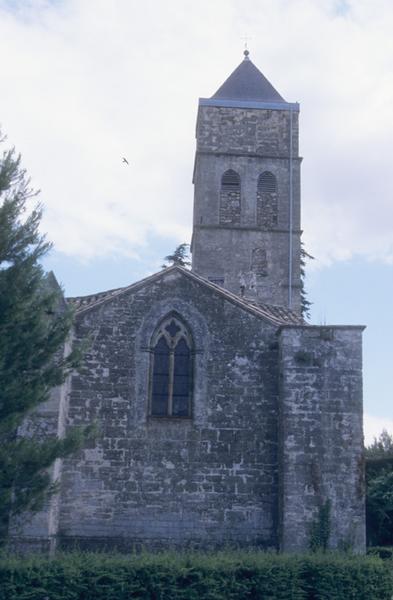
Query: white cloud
[(373, 427), (85, 83)]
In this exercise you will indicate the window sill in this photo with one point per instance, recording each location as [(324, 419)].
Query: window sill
[(167, 418)]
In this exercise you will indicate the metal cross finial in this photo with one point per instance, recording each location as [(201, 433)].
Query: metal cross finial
[(246, 52)]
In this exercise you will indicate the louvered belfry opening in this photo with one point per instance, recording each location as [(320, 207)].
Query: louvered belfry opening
[(171, 370), (230, 198), (267, 200)]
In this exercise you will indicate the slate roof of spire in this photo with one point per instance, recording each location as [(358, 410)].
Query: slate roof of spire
[(248, 83)]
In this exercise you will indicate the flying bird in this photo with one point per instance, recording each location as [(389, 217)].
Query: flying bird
[(125, 161)]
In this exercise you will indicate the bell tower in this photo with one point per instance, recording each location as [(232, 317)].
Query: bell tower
[(246, 228)]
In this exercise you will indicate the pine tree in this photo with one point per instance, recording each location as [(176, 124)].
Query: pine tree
[(180, 257), (305, 304), (33, 331)]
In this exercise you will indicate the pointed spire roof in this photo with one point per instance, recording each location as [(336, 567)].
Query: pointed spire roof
[(247, 83)]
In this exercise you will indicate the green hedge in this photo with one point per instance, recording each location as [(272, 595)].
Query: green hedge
[(384, 552), (229, 576)]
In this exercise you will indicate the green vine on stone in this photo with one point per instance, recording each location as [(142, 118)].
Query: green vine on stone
[(320, 528)]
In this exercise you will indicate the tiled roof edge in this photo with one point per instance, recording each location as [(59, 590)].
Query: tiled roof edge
[(256, 310)]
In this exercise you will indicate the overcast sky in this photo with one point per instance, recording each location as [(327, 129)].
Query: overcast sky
[(85, 82)]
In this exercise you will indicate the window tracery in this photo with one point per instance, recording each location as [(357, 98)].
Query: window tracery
[(171, 370)]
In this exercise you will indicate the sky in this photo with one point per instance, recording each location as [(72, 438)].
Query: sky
[(85, 82)]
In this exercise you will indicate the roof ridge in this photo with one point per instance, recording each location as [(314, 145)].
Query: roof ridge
[(267, 312), (119, 291), (234, 297), (77, 300)]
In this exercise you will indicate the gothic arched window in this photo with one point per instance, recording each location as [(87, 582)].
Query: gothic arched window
[(171, 370), (267, 206), (230, 198)]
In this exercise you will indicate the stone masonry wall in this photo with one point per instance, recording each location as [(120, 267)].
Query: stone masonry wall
[(321, 454), (246, 131), (230, 207), (267, 209), (159, 482)]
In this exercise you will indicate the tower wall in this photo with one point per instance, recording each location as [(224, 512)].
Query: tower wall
[(250, 257)]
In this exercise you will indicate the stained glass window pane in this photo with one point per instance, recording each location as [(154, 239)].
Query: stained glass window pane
[(182, 363), (181, 406), (159, 406), (160, 391), (181, 380)]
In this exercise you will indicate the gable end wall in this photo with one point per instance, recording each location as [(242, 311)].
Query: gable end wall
[(201, 482)]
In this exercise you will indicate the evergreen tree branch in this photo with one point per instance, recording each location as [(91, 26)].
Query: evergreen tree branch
[(33, 335)]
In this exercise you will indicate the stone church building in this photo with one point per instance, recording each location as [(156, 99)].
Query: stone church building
[(224, 418)]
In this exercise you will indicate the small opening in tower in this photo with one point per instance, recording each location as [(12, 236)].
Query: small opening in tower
[(267, 183), (230, 180)]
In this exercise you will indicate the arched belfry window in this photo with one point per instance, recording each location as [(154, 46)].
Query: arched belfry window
[(230, 198), (171, 370), (267, 205)]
